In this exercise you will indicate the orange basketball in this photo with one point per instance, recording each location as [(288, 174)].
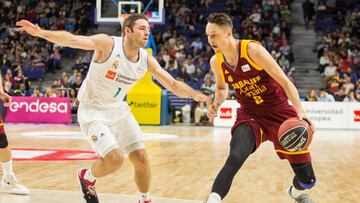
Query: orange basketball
[(295, 135)]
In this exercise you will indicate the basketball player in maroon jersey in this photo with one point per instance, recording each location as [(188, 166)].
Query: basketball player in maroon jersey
[(263, 90)]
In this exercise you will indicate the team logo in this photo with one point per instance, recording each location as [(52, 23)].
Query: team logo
[(226, 72), (115, 65), (110, 74), (225, 113), (357, 116), (230, 79), (245, 68), (94, 138)]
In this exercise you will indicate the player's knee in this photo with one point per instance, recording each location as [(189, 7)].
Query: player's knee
[(139, 157), (304, 176), (236, 159), (114, 159), (3, 141), (304, 182)]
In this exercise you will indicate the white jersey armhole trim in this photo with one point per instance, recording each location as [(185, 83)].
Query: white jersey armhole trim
[(112, 50)]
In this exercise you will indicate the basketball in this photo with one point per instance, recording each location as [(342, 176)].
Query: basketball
[(295, 135)]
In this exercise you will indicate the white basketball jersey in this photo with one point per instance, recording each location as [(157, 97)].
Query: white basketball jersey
[(107, 83)]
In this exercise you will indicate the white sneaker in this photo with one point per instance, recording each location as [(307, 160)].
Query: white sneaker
[(9, 184)]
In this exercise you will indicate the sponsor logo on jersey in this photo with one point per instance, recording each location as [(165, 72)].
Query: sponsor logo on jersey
[(245, 67), (225, 113), (110, 74), (357, 116)]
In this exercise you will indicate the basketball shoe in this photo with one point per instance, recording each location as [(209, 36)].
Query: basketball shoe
[(9, 184), (303, 198), (87, 187)]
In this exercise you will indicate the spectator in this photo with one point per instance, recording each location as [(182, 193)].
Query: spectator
[(21, 91), (183, 75), (340, 95), (284, 63), (52, 92), (208, 86), (329, 71), (37, 92), (351, 97), (189, 65), (311, 96), (200, 117), (308, 12), (324, 96)]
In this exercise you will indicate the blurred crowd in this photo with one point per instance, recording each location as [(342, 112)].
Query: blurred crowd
[(338, 51)]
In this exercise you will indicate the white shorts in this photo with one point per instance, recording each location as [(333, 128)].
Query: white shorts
[(107, 129)]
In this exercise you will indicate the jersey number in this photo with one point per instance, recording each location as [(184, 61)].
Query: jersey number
[(117, 92), (258, 99)]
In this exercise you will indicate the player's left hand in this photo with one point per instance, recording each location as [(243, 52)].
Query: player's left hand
[(5, 98), (302, 116), (199, 97)]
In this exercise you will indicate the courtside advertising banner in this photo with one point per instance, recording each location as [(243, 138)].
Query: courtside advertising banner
[(39, 110), (354, 115), (325, 115), (227, 113), (332, 115)]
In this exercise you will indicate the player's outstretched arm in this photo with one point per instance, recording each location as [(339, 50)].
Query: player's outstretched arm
[(221, 89), (262, 58), (177, 87), (64, 38)]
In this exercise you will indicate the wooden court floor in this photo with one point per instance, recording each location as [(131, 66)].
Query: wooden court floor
[(184, 164)]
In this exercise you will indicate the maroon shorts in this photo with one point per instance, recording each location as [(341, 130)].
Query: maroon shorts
[(265, 125)]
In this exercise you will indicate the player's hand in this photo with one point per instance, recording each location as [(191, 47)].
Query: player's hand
[(302, 116), (28, 27), (199, 97), (5, 98), (213, 109)]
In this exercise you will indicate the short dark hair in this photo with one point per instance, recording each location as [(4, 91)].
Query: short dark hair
[(220, 19), (130, 20), (322, 89)]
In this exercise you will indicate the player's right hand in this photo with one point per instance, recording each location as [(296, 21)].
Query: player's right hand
[(28, 27), (212, 111)]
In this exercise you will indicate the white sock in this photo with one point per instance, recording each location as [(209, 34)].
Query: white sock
[(89, 176), (145, 196), (295, 192), (214, 198), (7, 168)]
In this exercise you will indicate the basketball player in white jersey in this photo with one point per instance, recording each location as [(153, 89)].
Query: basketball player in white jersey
[(118, 63), (9, 183)]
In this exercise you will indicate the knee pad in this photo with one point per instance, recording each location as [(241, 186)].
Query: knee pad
[(304, 176), (302, 185), (3, 141)]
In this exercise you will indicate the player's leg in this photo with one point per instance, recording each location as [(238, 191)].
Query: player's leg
[(131, 140), (303, 180), (241, 146), (110, 159), (9, 182), (300, 161), (140, 161)]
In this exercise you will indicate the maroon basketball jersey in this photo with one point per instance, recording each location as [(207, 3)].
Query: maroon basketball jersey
[(255, 89)]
